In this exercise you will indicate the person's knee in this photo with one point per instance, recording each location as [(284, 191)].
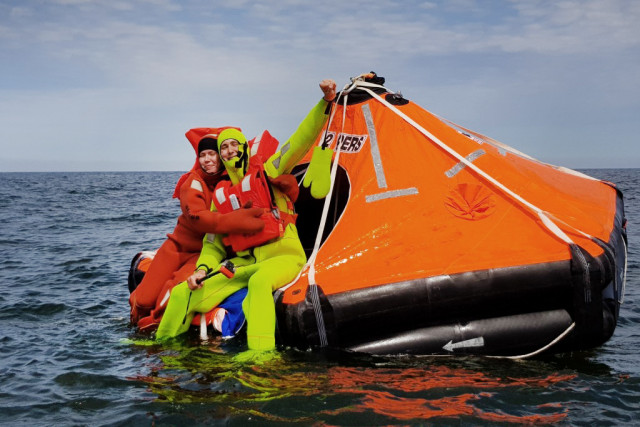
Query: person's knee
[(180, 292), (142, 299), (260, 286)]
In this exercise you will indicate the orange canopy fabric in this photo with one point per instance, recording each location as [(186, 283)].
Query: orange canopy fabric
[(417, 211)]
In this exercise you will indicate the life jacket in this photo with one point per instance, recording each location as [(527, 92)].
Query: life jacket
[(254, 187)]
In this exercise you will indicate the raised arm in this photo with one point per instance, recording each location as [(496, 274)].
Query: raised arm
[(294, 149)]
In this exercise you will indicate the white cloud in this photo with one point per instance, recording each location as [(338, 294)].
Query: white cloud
[(576, 26), (20, 12), (428, 5), (125, 66)]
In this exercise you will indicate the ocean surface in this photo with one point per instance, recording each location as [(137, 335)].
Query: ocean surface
[(66, 242)]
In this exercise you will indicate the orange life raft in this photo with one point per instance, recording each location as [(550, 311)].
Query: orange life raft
[(440, 240)]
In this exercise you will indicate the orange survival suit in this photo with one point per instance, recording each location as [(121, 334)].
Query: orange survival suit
[(176, 258)]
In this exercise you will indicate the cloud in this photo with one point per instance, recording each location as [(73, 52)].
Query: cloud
[(571, 27), (149, 70)]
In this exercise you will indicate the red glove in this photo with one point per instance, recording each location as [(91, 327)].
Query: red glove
[(287, 184), (241, 221)]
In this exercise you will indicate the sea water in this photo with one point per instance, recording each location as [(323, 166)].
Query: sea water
[(66, 242)]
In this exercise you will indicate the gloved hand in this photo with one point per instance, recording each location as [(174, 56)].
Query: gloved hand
[(241, 221), (287, 184), (319, 172)]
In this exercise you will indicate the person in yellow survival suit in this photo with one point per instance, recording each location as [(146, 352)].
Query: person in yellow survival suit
[(262, 269), (176, 258)]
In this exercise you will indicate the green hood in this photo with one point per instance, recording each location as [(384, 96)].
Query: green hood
[(237, 166)]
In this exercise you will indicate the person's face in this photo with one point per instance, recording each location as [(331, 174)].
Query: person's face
[(209, 161), (229, 149)]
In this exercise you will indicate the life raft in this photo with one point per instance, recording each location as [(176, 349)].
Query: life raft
[(439, 240)]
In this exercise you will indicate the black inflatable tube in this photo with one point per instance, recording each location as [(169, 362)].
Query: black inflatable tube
[(394, 308), (502, 336), (416, 316)]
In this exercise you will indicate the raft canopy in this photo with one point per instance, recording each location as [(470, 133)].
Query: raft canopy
[(422, 197), (431, 229)]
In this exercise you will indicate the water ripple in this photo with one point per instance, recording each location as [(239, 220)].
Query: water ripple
[(64, 312), (27, 311)]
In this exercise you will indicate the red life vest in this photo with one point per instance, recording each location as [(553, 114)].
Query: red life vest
[(253, 187)]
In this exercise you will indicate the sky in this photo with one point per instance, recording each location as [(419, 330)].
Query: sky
[(113, 85)]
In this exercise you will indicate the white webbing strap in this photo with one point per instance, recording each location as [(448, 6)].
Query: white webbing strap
[(553, 227), (323, 218), (327, 200), (544, 216), (313, 286), (204, 336)]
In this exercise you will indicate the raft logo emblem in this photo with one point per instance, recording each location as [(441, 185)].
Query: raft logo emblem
[(346, 143)]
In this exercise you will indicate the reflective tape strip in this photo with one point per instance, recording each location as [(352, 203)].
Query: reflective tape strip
[(391, 194), (276, 162), (210, 237), (197, 185), (256, 145), (246, 183), (235, 203), (165, 299), (220, 196), (285, 148), (375, 150), (470, 158)]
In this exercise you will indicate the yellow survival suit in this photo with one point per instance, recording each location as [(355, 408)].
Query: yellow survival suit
[(262, 269)]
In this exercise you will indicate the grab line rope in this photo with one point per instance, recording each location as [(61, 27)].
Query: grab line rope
[(540, 350)]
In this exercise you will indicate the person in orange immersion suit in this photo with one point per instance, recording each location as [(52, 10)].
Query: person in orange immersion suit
[(176, 258)]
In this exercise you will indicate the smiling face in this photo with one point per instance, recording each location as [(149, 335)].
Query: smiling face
[(229, 149), (209, 161), (234, 153)]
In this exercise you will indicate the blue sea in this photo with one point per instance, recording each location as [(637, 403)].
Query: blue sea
[(66, 243)]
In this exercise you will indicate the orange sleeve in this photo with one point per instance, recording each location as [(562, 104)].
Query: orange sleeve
[(196, 206)]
